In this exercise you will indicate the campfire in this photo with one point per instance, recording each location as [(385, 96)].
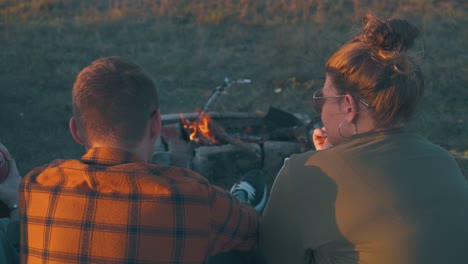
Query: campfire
[(224, 146)]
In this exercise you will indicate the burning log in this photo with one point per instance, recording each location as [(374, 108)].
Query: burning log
[(204, 131)]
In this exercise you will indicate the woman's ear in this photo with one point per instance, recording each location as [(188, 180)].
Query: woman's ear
[(351, 108), (75, 132)]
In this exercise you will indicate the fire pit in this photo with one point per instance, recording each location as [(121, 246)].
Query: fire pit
[(224, 146)]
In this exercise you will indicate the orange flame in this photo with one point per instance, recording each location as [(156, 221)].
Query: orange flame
[(199, 127)]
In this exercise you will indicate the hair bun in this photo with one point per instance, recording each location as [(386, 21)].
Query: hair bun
[(394, 35)]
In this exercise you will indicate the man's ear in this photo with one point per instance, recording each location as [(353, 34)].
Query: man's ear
[(75, 132), (351, 108), (155, 124)]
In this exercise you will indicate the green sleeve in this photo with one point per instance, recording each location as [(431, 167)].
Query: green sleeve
[(280, 239)]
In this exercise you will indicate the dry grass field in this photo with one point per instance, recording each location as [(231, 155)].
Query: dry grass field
[(190, 46)]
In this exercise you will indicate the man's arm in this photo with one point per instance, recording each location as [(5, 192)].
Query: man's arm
[(234, 224)]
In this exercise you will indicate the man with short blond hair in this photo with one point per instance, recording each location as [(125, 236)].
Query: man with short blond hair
[(113, 205)]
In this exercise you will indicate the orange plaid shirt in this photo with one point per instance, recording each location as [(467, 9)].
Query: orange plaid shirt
[(111, 207)]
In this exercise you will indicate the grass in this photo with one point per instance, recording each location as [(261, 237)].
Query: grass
[(190, 46)]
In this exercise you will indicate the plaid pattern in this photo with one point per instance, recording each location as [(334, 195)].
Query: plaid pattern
[(111, 207)]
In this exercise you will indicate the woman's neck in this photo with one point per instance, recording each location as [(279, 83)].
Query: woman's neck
[(366, 123)]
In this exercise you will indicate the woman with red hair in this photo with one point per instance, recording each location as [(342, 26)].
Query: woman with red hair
[(373, 192)]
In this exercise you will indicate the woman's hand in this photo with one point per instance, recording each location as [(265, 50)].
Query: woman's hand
[(320, 139)]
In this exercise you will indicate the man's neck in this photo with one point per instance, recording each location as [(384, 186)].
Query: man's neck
[(141, 151)]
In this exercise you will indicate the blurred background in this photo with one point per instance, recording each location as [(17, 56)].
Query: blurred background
[(189, 47)]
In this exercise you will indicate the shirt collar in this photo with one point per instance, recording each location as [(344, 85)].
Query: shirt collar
[(109, 156), (373, 134)]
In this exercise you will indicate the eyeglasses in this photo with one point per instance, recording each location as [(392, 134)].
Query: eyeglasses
[(319, 100)]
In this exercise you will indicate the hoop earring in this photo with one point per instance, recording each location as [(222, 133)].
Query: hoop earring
[(339, 129)]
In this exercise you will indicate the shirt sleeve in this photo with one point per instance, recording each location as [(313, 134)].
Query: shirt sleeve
[(234, 225), (280, 239)]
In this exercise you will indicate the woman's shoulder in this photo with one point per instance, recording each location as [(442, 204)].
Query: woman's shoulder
[(303, 157), (314, 158)]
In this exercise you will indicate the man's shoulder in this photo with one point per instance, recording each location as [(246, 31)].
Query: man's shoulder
[(51, 165), (140, 169), (68, 176)]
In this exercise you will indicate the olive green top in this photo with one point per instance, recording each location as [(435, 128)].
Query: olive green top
[(387, 197)]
